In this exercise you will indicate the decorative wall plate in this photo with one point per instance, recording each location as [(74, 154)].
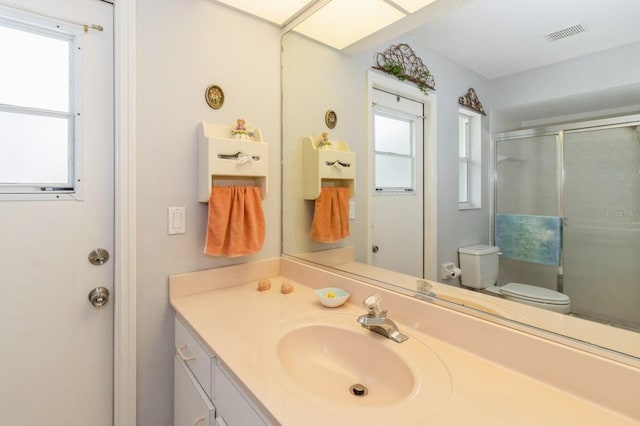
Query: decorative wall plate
[(214, 96), (330, 119)]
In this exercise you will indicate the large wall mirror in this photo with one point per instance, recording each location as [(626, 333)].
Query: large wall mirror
[(561, 78)]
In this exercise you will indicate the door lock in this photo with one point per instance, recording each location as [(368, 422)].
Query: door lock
[(98, 256)]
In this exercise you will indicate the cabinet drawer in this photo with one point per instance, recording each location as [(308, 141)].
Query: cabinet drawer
[(196, 358), (190, 405)]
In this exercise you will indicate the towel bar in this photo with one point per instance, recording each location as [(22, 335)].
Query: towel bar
[(238, 156), (340, 163)]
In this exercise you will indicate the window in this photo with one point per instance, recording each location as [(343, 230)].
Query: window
[(394, 151), (463, 154), (38, 110), (469, 160)]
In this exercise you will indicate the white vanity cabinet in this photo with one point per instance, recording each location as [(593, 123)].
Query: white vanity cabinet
[(205, 392), (236, 407)]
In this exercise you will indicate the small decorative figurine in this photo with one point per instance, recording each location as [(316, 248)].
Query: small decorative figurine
[(239, 131), (324, 141)]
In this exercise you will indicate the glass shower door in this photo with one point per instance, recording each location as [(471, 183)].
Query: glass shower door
[(602, 223), (527, 182)]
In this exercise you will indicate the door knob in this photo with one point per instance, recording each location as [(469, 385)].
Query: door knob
[(99, 297)]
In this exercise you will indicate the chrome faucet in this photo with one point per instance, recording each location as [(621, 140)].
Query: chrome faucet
[(376, 320)]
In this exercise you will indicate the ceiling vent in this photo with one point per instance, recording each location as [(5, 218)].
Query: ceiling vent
[(565, 32)]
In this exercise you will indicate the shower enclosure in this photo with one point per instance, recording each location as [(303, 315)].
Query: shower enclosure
[(587, 177)]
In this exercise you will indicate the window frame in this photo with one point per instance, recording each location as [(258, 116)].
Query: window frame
[(73, 189), (464, 129), (410, 119), (471, 160)]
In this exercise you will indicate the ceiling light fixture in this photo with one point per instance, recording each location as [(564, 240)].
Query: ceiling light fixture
[(337, 23), (278, 11), (341, 23)]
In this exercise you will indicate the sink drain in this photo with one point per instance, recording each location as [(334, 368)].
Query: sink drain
[(358, 390)]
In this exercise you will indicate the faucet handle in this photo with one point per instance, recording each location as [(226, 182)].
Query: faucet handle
[(372, 303)]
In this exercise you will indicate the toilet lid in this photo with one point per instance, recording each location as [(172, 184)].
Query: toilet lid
[(535, 294)]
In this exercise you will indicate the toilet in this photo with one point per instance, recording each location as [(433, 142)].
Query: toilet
[(479, 265)]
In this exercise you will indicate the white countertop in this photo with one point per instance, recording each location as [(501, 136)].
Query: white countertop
[(236, 322)]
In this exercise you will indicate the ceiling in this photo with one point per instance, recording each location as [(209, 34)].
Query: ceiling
[(497, 38)]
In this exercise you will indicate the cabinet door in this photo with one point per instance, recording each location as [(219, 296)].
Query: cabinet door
[(233, 407), (195, 356), (191, 405)]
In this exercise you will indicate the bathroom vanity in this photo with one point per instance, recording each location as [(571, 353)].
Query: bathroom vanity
[(264, 357), (201, 380)]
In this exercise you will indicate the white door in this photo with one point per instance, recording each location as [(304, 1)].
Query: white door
[(56, 348), (397, 222)]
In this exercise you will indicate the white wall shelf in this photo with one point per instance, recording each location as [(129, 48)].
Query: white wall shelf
[(336, 167), (221, 158)]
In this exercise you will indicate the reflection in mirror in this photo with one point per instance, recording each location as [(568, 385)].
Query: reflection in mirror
[(396, 213), (555, 87)]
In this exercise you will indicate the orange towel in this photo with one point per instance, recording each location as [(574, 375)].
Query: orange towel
[(331, 215), (236, 221)]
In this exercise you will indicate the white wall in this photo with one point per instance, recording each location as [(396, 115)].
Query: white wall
[(592, 86), (182, 47), (457, 228)]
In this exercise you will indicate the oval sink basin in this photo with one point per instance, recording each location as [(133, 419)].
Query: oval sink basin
[(327, 361), (322, 355)]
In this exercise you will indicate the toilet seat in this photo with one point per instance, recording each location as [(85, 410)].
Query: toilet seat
[(535, 294)]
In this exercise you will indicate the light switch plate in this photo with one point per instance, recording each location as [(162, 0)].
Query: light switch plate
[(176, 219)]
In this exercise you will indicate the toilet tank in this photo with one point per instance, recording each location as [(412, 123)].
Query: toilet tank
[(479, 264)]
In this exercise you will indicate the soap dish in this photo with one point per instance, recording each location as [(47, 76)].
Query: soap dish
[(332, 297)]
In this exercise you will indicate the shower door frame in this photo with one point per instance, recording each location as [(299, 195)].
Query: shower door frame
[(559, 131)]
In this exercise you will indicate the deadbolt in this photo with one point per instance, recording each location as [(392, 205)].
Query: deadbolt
[(98, 256), (99, 297)]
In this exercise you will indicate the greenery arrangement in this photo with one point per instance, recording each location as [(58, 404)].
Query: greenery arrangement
[(401, 62)]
